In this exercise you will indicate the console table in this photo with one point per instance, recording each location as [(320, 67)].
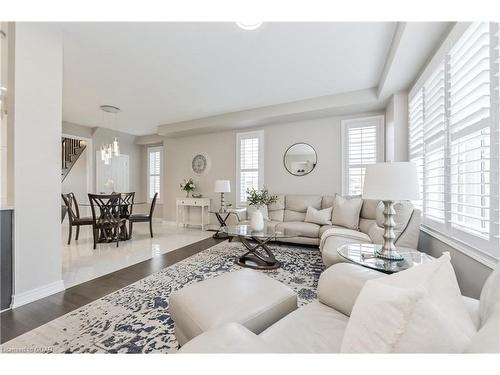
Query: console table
[(183, 206)]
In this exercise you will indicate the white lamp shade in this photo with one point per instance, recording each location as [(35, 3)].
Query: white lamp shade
[(395, 181), (222, 186)]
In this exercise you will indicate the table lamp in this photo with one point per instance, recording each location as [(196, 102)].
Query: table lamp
[(222, 186), (389, 182)]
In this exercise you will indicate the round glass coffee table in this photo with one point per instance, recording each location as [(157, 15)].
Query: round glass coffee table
[(259, 256), (364, 255)]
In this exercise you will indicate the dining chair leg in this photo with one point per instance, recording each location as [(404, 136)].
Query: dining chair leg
[(77, 232), (94, 237), (130, 224), (151, 227), (69, 236), (117, 234)]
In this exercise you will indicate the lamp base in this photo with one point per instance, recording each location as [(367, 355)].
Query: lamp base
[(389, 255)]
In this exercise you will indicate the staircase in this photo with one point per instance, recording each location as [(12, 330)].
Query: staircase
[(71, 149)]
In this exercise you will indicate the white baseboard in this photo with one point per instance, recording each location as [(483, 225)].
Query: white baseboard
[(37, 293)]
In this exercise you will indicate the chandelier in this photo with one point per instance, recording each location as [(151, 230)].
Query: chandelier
[(109, 150)]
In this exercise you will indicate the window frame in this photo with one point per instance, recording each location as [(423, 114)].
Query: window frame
[(149, 150), (248, 135), (380, 144), (484, 250)]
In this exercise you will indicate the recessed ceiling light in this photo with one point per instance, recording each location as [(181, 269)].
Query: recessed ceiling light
[(249, 25), (110, 108)]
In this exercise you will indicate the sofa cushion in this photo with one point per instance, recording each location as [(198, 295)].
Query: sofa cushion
[(366, 224), (440, 283), (314, 328), (276, 210), (321, 217), (327, 201), (346, 212), (390, 319), (300, 203), (369, 208), (303, 229), (279, 204), (290, 215), (324, 228), (487, 339), (490, 297)]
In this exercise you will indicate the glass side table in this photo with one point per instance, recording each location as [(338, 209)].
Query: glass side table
[(364, 255)]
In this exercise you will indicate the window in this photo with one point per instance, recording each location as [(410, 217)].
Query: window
[(250, 163), (362, 145), (155, 160), (453, 125)]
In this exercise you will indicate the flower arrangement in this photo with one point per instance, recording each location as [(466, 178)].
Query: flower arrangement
[(188, 186), (260, 198)]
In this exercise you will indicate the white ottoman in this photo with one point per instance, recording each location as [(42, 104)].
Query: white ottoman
[(246, 296)]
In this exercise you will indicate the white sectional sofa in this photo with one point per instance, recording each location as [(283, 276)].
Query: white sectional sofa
[(320, 326), (290, 212)]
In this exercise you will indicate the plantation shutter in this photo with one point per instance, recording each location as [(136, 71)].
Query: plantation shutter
[(154, 172), (360, 149), (250, 170), (434, 143), (416, 139)]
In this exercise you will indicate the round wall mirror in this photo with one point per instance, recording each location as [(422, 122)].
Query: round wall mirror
[(300, 159)]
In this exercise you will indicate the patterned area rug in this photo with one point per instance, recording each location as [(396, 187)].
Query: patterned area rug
[(136, 319)]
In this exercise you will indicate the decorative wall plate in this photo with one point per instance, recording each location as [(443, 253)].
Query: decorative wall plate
[(200, 164)]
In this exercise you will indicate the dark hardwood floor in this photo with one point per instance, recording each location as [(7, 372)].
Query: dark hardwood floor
[(25, 318)]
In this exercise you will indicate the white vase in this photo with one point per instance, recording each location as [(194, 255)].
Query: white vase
[(257, 221)]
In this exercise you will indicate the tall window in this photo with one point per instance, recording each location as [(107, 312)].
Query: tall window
[(155, 161), (250, 163), (362, 145), (454, 139)]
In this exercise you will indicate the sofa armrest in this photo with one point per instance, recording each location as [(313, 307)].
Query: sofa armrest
[(227, 338), (340, 285)]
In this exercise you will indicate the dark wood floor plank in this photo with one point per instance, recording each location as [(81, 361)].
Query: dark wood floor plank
[(15, 322)]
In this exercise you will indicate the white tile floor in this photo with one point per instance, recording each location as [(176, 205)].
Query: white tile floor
[(81, 263)]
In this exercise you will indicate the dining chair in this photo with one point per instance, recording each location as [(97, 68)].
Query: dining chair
[(107, 223), (143, 218), (74, 215), (127, 204)]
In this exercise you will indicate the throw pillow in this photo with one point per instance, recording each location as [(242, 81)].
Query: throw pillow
[(346, 211), (321, 217), (417, 310), (389, 319)]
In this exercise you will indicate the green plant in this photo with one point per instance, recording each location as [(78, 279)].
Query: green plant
[(260, 197)]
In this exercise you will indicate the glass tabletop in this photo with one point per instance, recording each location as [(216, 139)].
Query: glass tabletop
[(267, 232), (364, 255)]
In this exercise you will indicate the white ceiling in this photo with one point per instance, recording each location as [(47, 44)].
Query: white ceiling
[(163, 73)]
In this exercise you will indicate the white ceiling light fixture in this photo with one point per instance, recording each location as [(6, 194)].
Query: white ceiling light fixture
[(249, 25), (110, 108)]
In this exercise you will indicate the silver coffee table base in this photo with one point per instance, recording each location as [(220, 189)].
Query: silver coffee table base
[(259, 256)]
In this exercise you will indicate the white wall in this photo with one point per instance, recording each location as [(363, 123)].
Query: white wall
[(396, 128), (37, 152), (323, 134)]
